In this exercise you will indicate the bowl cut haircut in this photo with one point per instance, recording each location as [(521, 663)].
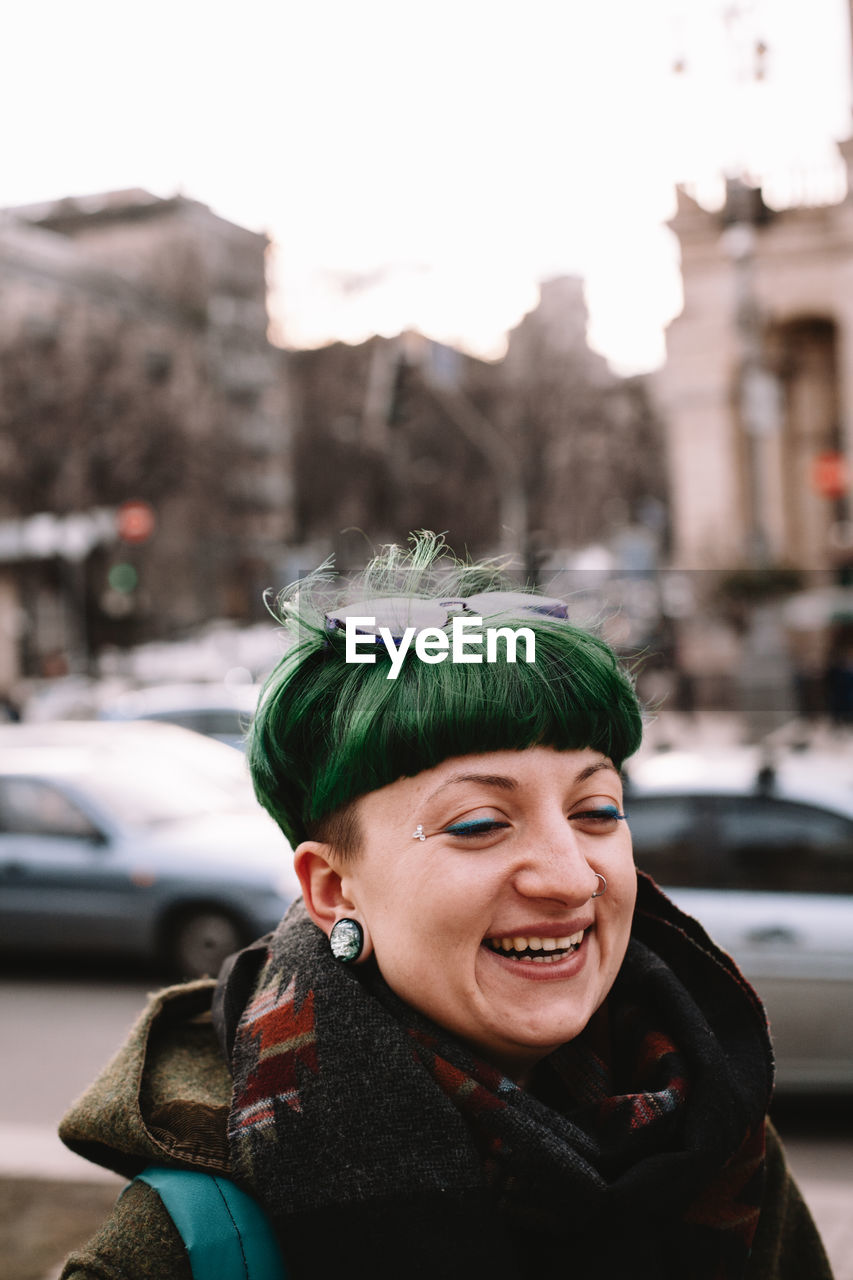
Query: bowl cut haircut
[(327, 731)]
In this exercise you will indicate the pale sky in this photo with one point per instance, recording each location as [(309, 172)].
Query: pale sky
[(425, 164)]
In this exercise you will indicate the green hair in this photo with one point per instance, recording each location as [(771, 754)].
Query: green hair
[(327, 731)]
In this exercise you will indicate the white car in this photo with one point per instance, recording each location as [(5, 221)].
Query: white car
[(139, 838), (218, 710), (760, 851)]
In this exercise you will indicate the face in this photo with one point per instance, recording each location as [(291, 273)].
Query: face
[(488, 925)]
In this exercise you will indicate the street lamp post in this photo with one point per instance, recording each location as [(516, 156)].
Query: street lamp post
[(766, 685), (758, 393)]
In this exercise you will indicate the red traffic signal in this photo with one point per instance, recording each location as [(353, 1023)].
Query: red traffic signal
[(830, 474), (136, 521)]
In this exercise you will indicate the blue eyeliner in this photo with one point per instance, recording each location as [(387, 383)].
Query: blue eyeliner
[(475, 826), (483, 826), (610, 811)]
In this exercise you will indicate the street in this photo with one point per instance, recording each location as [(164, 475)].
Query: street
[(58, 1034), (58, 1031)]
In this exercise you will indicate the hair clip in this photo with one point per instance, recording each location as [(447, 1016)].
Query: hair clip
[(418, 833), (397, 613)]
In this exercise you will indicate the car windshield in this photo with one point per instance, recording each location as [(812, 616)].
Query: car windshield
[(147, 792)]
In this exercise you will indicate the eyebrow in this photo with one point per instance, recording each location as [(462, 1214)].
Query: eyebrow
[(504, 783), (487, 779), (594, 768)]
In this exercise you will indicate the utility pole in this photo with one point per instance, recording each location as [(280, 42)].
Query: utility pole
[(497, 452), (499, 456)]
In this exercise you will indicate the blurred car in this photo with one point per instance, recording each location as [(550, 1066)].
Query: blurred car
[(139, 839), (217, 710), (761, 853)]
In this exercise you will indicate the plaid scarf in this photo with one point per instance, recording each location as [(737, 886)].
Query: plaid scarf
[(358, 1123)]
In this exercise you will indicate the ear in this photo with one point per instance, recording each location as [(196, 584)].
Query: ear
[(326, 899), (322, 888)]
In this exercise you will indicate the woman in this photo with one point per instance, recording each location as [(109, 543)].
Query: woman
[(478, 1043)]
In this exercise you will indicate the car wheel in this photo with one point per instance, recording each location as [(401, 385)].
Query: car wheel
[(200, 941)]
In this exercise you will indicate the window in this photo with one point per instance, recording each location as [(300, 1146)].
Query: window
[(158, 366), (667, 832), (33, 808), (779, 846)]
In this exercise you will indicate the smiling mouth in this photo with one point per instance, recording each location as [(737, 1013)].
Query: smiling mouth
[(535, 950)]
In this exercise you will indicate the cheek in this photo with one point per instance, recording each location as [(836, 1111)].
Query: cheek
[(622, 884), (628, 881), (619, 864), (403, 903), (432, 917)]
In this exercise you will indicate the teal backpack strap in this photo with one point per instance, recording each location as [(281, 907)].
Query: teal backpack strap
[(226, 1233)]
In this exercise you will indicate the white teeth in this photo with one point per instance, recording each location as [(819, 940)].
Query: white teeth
[(521, 943)]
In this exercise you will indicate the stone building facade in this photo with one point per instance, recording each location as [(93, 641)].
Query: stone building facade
[(757, 390)]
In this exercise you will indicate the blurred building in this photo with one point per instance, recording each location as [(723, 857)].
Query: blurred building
[(588, 442), (538, 454), (384, 444), (135, 367), (757, 390)]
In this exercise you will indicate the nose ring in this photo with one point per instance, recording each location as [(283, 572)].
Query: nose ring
[(603, 888)]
